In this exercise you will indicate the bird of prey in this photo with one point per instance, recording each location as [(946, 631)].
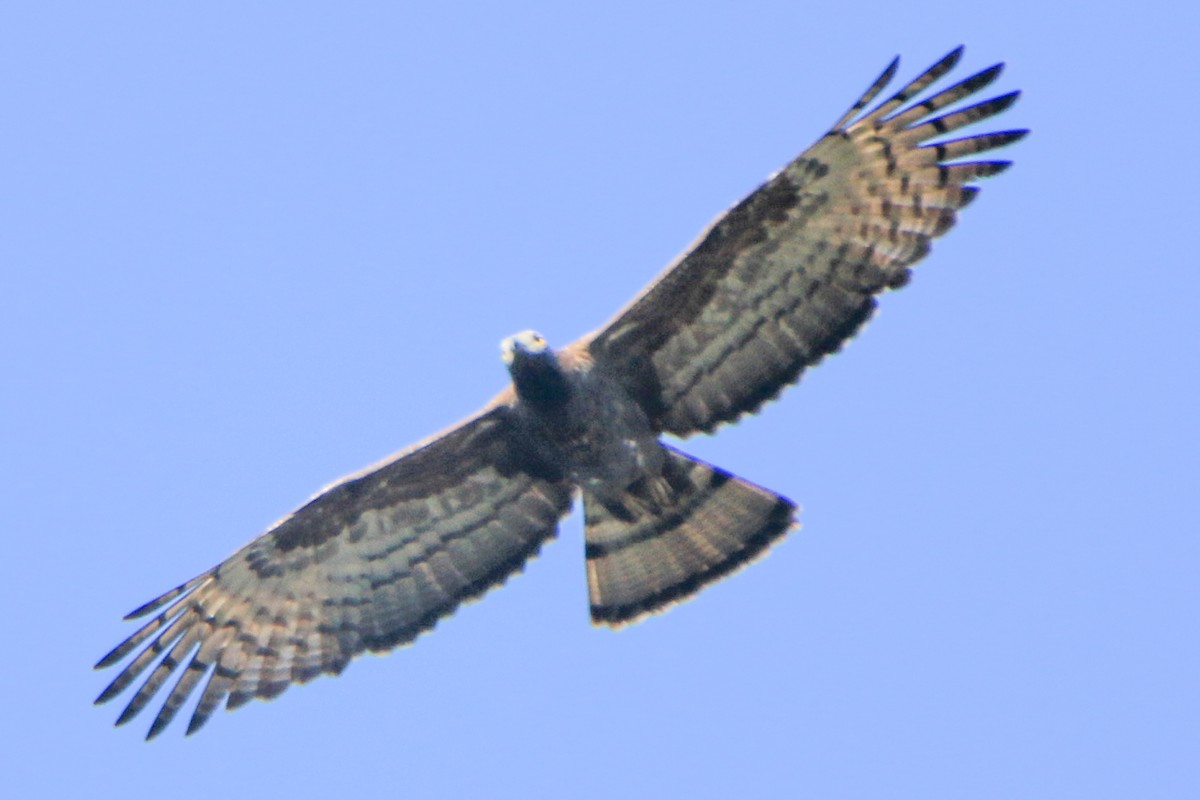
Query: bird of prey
[(773, 285)]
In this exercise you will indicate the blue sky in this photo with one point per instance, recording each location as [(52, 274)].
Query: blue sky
[(251, 247)]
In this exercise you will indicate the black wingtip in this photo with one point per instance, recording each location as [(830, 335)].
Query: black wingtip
[(157, 727), (195, 723), (169, 597), (984, 77), (1006, 138), (986, 169), (111, 657), (950, 60), (1003, 102), (108, 694), (129, 713), (143, 609)]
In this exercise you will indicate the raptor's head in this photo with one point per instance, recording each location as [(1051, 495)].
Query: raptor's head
[(523, 345), (535, 370)]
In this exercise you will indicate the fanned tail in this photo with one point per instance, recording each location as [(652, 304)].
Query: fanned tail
[(650, 554)]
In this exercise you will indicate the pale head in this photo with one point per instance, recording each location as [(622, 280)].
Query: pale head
[(526, 342)]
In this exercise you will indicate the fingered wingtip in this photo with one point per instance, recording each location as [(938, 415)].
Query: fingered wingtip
[(986, 76), (109, 658), (142, 610), (156, 728), (1004, 101), (126, 715)]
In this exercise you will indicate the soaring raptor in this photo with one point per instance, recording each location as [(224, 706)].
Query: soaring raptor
[(772, 286)]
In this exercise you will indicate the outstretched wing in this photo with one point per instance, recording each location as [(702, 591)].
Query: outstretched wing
[(788, 274), (368, 564)]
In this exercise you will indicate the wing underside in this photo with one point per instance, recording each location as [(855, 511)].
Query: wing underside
[(368, 564), (791, 272)]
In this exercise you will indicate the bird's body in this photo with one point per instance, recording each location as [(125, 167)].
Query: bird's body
[(579, 419), (658, 524), (774, 285)]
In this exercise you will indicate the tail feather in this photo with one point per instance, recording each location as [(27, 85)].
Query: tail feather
[(648, 554)]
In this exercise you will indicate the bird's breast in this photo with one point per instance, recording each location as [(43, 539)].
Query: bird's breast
[(600, 435)]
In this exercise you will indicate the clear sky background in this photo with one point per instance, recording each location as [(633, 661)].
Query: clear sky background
[(249, 247)]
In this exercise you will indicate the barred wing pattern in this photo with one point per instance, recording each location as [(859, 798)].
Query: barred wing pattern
[(791, 272), (771, 287), (368, 564)]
